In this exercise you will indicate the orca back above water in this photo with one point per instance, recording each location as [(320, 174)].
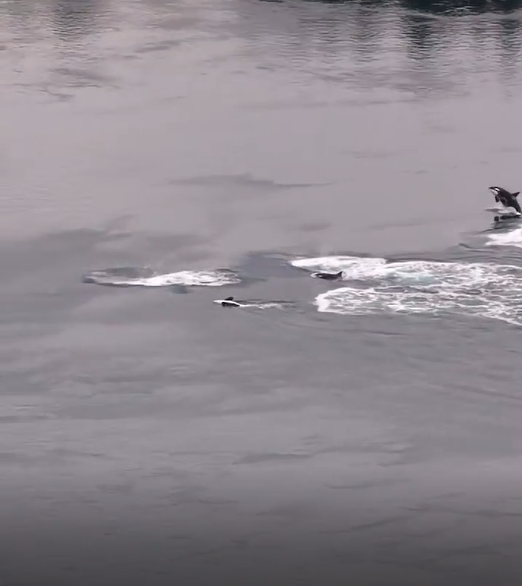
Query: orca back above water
[(327, 276), (228, 302)]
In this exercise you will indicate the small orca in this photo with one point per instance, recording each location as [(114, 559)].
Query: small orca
[(229, 302), (327, 276), (506, 198)]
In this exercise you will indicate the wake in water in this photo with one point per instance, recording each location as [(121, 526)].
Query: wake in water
[(371, 285), (374, 285), (254, 303), (141, 277), (510, 238)]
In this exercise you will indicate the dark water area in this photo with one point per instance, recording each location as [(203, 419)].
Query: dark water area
[(158, 156)]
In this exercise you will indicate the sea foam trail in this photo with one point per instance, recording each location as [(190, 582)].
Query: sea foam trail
[(350, 265), (132, 277), (512, 238), (374, 286)]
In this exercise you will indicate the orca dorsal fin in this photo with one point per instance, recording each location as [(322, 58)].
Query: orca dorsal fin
[(229, 298), (516, 194)]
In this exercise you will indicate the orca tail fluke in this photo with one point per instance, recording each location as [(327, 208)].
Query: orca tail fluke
[(340, 274), (516, 194)]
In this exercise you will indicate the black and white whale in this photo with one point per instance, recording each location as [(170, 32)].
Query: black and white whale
[(227, 302), (506, 198), (327, 276)]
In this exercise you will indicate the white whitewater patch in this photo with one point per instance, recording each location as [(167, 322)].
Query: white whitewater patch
[(476, 289), (129, 277), (511, 238), (350, 265)]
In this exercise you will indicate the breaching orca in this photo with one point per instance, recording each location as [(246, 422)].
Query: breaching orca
[(327, 276), (506, 198), (228, 302)]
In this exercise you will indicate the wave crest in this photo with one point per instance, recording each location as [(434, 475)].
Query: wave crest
[(142, 277), (475, 289)]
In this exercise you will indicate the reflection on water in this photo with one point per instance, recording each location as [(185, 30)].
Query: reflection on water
[(438, 39), (74, 18), (460, 7), (202, 69), (65, 18), (443, 7), (425, 46)]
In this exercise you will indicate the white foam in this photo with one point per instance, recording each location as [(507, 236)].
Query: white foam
[(350, 265), (476, 289), (205, 278), (512, 238)]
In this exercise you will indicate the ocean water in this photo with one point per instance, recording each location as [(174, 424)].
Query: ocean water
[(157, 157)]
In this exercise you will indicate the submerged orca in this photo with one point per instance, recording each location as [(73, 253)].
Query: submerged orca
[(506, 198), (327, 276), (506, 217), (229, 302)]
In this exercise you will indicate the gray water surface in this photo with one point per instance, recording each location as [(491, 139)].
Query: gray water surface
[(150, 436)]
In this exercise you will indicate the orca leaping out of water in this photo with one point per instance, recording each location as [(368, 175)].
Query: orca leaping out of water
[(506, 198), (229, 302), (327, 276)]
